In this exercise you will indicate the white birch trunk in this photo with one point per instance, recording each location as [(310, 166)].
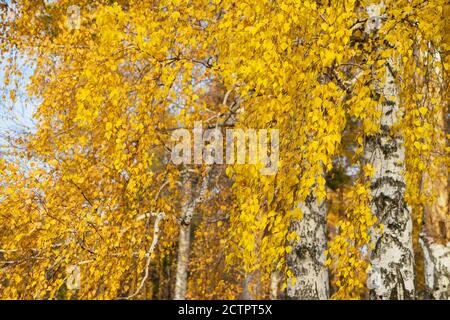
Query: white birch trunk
[(184, 247), (437, 268), (184, 240), (307, 258), (392, 260)]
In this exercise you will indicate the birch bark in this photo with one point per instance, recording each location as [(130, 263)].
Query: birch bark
[(392, 260), (184, 247), (437, 267), (307, 258), (184, 241)]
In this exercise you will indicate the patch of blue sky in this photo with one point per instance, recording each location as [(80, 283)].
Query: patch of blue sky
[(16, 117)]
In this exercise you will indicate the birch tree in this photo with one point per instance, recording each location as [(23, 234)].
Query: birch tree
[(111, 82), (392, 259)]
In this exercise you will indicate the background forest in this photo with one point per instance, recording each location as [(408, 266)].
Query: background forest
[(92, 207)]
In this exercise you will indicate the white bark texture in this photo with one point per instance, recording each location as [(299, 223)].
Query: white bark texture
[(184, 241), (184, 247), (307, 258), (437, 268), (391, 275), (184, 238)]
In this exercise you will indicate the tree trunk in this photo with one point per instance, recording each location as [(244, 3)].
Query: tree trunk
[(307, 258), (184, 237), (184, 242), (392, 260), (184, 246), (437, 268)]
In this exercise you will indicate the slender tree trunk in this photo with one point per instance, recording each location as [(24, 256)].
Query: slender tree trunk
[(307, 258), (184, 247), (184, 238), (392, 260), (184, 242)]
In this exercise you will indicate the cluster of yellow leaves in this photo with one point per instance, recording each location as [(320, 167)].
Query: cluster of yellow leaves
[(283, 84), (108, 93), (345, 254)]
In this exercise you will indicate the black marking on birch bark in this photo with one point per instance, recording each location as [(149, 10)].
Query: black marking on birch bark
[(384, 142), (381, 182)]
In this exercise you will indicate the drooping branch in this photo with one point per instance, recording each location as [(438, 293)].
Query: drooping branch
[(151, 250)]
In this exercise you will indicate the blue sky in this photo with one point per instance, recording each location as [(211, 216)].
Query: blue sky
[(17, 116)]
